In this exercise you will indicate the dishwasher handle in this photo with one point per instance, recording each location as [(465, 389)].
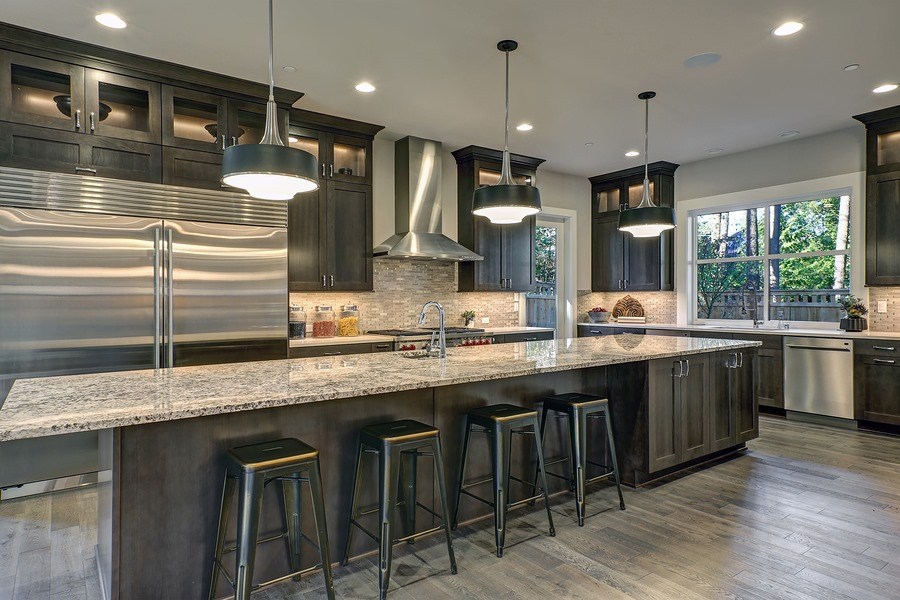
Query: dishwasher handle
[(798, 347)]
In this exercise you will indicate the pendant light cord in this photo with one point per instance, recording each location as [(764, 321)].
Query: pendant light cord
[(646, 200), (505, 169), (271, 51), (270, 134)]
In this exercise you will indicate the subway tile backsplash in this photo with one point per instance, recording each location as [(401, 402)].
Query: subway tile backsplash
[(659, 307), (402, 287)]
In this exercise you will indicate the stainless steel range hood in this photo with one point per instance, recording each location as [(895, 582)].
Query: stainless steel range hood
[(417, 191)]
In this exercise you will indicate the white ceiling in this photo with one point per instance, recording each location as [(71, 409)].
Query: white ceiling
[(576, 74)]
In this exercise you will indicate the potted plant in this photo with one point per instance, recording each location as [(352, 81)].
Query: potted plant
[(469, 317), (598, 314), (856, 311)]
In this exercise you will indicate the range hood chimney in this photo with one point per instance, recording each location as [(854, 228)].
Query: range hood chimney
[(417, 205)]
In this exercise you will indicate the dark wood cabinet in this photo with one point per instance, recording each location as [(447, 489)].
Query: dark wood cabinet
[(508, 250), (30, 87), (194, 120), (770, 381), (619, 261), (733, 416), (342, 147), (876, 372), (307, 247), (882, 196), (529, 336)]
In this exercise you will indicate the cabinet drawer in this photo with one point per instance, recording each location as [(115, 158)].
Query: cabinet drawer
[(594, 330), (886, 348), (769, 341), (878, 388), (192, 168), (382, 347), (335, 350), (524, 337), (667, 332)]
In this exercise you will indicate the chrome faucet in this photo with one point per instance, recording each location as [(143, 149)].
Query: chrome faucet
[(441, 351), (755, 308)]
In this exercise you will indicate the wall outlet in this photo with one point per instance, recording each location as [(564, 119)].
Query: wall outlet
[(485, 320), (882, 306)]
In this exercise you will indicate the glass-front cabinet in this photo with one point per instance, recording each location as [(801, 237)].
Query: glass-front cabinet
[(194, 120), (340, 157), (122, 107)]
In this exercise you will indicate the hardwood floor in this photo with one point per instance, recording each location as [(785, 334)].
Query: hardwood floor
[(807, 512)]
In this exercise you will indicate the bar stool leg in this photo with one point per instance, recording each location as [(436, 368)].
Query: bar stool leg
[(442, 490), (409, 477), (612, 453), (540, 455), (292, 492), (354, 509), (462, 475), (543, 429), (500, 454), (318, 503), (577, 439), (225, 508), (389, 479), (248, 531)]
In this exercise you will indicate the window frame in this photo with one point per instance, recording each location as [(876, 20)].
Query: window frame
[(765, 257)]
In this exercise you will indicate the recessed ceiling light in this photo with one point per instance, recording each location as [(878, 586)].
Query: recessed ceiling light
[(524, 126), (588, 144), (851, 67), (293, 140), (788, 134), (110, 20), (632, 153), (702, 60), (789, 28), (365, 87), (884, 88), (715, 150), (289, 68)]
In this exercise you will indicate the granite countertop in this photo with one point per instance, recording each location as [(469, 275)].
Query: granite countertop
[(829, 333), (369, 338), (56, 405)]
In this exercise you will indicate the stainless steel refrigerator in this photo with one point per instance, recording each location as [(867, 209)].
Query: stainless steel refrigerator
[(88, 291)]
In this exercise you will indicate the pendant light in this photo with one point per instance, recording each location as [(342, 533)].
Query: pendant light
[(506, 202), (648, 219), (270, 170)]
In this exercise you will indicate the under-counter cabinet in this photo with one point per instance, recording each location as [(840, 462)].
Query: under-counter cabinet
[(678, 424), (733, 414), (876, 372), (508, 250)]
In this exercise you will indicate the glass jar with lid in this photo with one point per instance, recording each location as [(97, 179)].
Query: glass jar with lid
[(323, 322), (348, 322), (296, 322)]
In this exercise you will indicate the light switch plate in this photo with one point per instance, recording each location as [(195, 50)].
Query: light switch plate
[(485, 320), (882, 306)]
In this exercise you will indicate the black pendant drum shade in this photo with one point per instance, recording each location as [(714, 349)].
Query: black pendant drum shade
[(270, 170), (506, 202)]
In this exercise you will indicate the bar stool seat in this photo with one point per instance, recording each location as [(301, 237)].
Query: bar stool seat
[(500, 422), (398, 445), (578, 408), (252, 468)]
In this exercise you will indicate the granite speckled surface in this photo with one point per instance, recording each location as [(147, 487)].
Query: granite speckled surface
[(57, 405)]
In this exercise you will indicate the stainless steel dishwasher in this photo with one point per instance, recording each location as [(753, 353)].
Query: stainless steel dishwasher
[(818, 376)]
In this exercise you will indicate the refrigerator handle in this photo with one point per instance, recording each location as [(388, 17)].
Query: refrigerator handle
[(170, 297), (157, 267)]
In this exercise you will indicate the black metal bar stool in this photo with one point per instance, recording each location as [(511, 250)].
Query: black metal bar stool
[(253, 467), (500, 422), (578, 408), (395, 443)]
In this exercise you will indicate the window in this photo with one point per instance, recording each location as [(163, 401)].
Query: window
[(785, 261)]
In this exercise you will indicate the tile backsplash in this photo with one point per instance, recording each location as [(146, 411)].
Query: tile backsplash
[(402, 287), (659, 307), (889, 321)]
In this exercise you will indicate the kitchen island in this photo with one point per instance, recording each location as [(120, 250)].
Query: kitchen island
[(164, 433)]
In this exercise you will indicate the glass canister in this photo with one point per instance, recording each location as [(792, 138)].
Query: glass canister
[(296, 322), (348, 322), (323, 322)]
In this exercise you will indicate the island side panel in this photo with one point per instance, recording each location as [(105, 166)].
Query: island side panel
[(170, 482)]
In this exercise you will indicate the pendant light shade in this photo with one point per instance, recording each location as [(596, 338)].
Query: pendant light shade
[(270, 170), (506, 201), (648, 219)]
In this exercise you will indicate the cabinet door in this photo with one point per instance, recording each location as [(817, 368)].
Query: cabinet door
[(124, 159), (313, 141), (664, 416), (37, 91), (882, 234), (722, 422), (247, 122), (489, 244), (880, 386), (744, 397), (518, 255), (770, 378), (607, 255), (122, 107), (192, 168), (349, 159), (642, 257), (307, 248), (349, 219), (694, 392), (194, 120)]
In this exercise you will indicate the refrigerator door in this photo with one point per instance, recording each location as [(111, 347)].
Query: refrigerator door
[(225, 293)]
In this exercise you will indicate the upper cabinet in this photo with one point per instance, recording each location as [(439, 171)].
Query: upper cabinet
[(882, 196), (619, 261), (508, 250)]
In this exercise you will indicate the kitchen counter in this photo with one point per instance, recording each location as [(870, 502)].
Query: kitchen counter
[(828, 333), (56, 405)]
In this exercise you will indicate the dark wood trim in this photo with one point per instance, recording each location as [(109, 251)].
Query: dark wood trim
[(55, 47), (306, 118), (658, 167), (472, 153), (879, 116)]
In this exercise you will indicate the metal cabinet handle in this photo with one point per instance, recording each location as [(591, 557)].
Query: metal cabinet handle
[(78, 119), (323, 282), (323, 170), (224, 144), (741, 364), (331, 170), (680, 373), (502, 283), (86, 170), (331, 354), (887, 348), (332, 281), (626, 283), (234, 140), (508, 283), (382, 345), (595, 331), (534, 339), (883, 361), (92, 121), (687, 371), (620, 284)]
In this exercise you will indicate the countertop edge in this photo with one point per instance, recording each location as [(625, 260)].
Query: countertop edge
[(830, 333)]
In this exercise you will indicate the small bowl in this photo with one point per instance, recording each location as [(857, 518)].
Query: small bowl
[(345, 171), (598, 317)]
